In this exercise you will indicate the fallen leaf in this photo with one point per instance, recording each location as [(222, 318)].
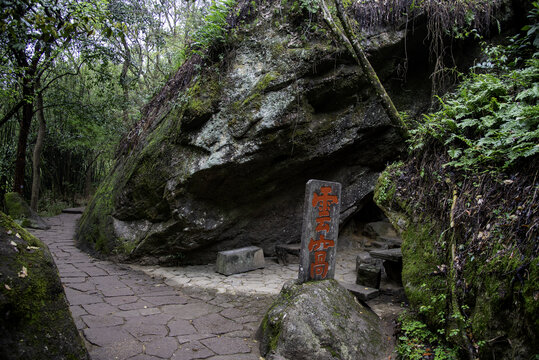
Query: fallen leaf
[(9, 232), (17, 235), (13, 243), (23, 273), (7, 286), (32, 248)]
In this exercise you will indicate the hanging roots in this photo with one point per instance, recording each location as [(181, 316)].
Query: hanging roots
[(445, 19)]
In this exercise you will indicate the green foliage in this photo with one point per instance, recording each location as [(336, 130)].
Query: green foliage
[(490, 123), (213, 32), (311, 6), (385, 187), (417, 342), (532, 30)]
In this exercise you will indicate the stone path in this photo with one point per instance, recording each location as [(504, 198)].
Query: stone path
[(149, 312), (126, 314), (267, 281)]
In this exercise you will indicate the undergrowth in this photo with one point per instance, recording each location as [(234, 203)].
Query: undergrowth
[(473, 168), (417, 342), (490, 124)]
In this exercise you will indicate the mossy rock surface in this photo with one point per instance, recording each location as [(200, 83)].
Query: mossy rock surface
[(223, 163), (320, 321), (485, 283), (35, 321), (19, 210)]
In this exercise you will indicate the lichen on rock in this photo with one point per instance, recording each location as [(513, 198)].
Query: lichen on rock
[(321, 321), (225, 161)]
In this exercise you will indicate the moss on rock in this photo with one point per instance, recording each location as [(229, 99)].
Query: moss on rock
[(35, 321), (465, 276), (319, 320), (21, 212)]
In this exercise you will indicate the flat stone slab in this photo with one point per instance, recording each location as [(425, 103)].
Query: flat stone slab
[(363, 293), (394, 255), (240, 260), (78, 210)]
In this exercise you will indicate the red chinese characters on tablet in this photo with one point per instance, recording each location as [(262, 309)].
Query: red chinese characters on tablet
[(322, 202)]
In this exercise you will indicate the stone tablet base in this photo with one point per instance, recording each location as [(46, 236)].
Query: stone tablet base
[(240, 260)]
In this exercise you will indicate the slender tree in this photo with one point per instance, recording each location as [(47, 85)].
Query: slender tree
[(34, 34), (345, 34)]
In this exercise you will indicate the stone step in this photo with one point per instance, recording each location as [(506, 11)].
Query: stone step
[(240, 260), (394, 255), (363, 293)]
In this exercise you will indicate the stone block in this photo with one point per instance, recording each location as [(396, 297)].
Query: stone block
[(392, 242), (366, 258), (392, 263), (363, 293), (369, 275), (394, 255), (240, 260)]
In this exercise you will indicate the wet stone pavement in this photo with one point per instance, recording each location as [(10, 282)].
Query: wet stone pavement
[(125, 313)]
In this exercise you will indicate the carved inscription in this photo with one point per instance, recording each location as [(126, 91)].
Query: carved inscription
[(320, 230)]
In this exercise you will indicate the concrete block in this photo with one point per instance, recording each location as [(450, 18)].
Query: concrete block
[(240, 260)]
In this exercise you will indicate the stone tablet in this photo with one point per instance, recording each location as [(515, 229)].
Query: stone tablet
[(320, 230), (240, 260)]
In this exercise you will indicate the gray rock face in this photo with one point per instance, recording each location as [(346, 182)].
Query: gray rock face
[(224, 164), (320, 321)]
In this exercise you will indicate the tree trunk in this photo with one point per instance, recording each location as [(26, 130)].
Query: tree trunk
[(124, 82), (36, 159), (352, 43), (24, 131)]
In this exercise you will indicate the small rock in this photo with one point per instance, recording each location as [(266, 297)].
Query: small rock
[(369, 275)]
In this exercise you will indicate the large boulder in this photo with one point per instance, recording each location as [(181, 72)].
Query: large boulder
[(35, 321), (20, 211), (223, 163), (320, 321)]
